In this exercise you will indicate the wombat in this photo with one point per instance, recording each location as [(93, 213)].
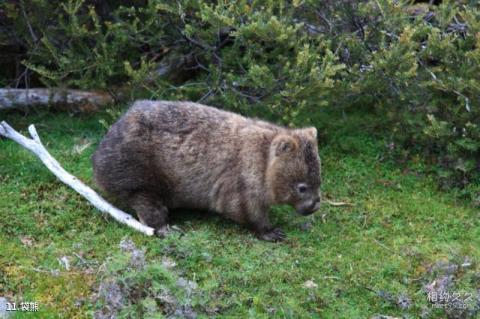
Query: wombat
[(165, 155)]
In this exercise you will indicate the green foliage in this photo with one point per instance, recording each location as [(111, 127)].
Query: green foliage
[(422, 75), (243, 52), (415, 66)]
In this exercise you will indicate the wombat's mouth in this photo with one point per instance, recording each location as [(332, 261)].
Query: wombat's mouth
[(309, 209)]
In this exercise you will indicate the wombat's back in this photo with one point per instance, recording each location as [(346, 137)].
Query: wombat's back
[(185, 152)]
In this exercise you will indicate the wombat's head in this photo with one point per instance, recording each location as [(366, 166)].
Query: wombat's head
[(294, 170)]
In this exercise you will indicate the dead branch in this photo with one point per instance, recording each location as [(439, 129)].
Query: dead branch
[(12, 98), (35, 146), (336, 204)]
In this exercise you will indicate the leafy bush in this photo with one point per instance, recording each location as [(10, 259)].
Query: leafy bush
[(422, 73), (415, 66)]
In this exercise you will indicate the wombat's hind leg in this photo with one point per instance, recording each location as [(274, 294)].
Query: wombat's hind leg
[(150, 211)]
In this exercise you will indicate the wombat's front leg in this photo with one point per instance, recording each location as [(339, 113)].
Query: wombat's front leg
[(265, 231), (274, 234), (150, 211)]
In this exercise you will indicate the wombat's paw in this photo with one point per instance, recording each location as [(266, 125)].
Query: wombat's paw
[(275, 234), (163, 231)]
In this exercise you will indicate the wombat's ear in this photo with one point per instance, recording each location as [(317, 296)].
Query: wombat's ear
[(284, 144), (311, 132)]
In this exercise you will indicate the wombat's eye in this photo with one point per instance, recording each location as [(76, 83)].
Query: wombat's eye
[(302, 188)]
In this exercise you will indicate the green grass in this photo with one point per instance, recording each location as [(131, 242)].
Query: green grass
[(398, 227)]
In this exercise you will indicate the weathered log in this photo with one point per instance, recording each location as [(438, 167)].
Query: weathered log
[(35, 146), (12, 98)]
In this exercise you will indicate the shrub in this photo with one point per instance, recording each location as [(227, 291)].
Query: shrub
[(422, 73)]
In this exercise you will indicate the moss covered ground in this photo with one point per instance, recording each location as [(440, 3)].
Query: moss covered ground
[(342, 262)]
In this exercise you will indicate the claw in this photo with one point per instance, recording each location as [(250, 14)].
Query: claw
[(273, 235)]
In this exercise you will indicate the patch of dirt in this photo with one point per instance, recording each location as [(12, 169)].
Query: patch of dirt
[(442, 291), (441, 283), (115, 293), (113, 300), (137, 256)]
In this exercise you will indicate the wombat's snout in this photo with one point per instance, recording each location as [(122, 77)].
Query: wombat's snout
[(311, 207)]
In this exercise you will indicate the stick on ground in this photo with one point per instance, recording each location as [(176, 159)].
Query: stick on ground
[(35, 146), (336, 204)]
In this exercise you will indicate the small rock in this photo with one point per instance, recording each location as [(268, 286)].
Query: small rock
[(383, 317), (310, 284), (185, 311), (404, 302), (137, 260), (271, 310), (112, 295), (439, 285), (26, 240), (65, 262), (306, 226), (168, 301), (168, 263), (188, 285), (127, 245)]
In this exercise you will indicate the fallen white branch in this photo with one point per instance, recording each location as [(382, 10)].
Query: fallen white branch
[(36, 147), (11, 98)]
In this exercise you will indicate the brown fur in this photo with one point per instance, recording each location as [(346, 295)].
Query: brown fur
[(164, 155)]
